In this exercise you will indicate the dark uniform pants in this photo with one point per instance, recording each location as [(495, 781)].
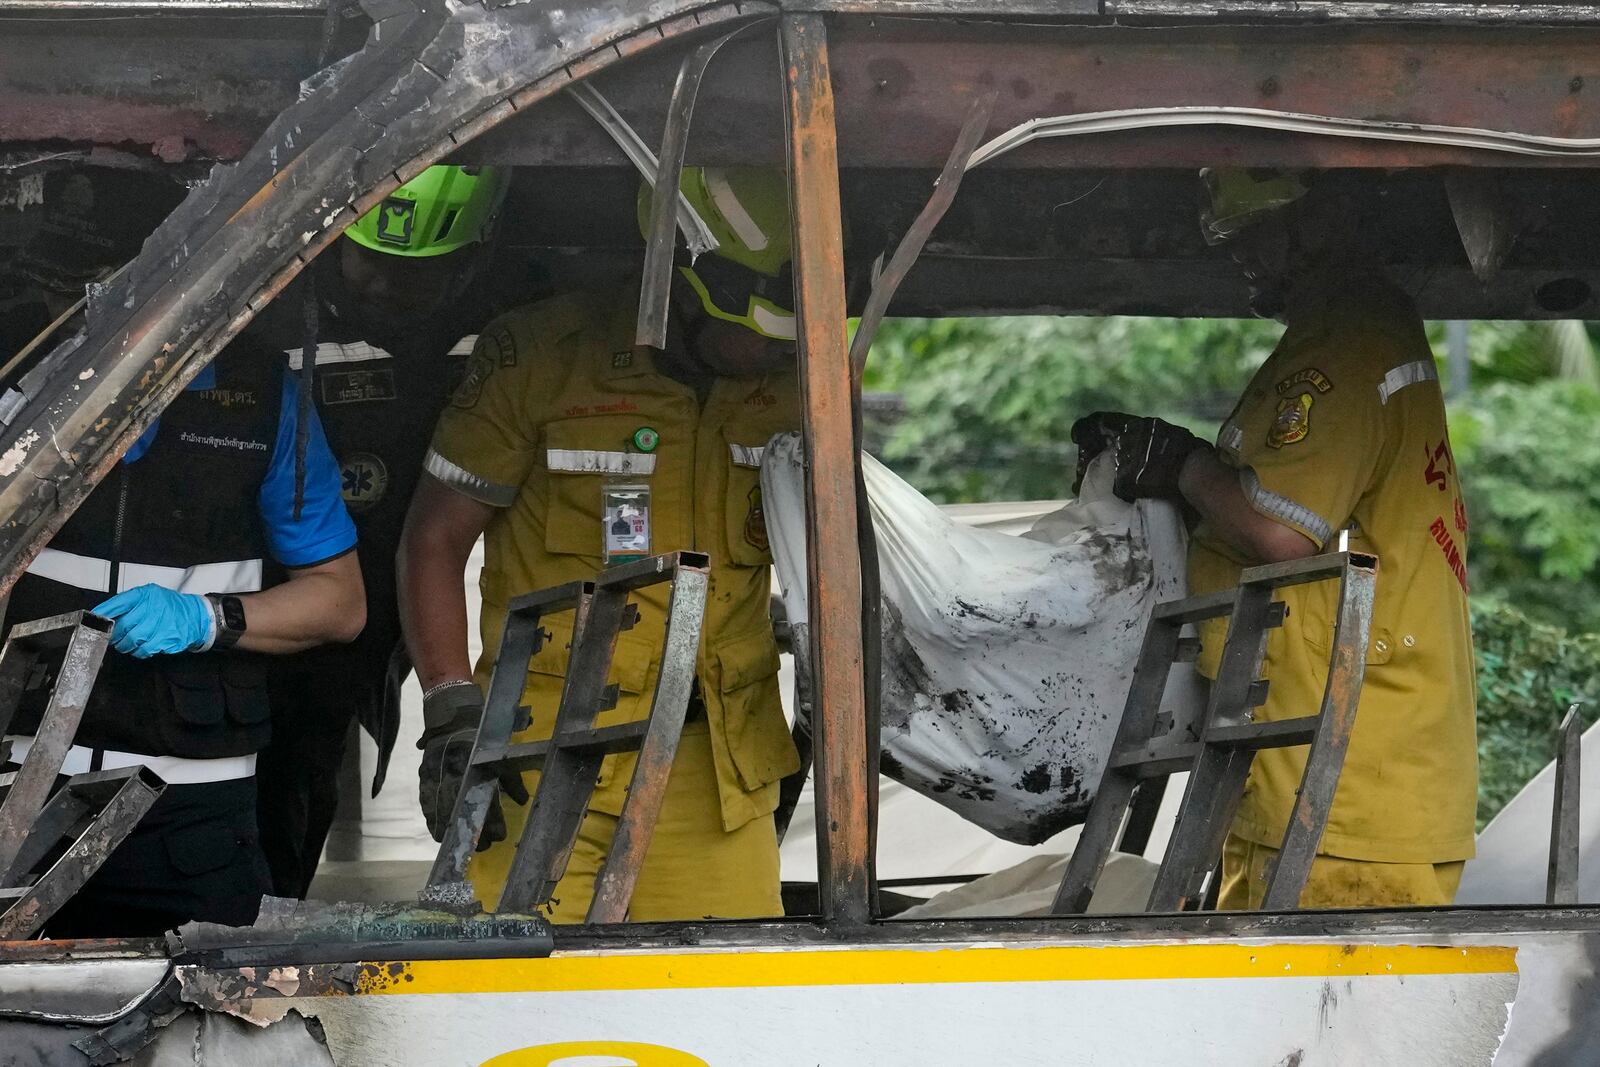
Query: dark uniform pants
[(297, 776), (195, 856)]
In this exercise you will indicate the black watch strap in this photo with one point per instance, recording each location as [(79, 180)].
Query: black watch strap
[(228, 611)]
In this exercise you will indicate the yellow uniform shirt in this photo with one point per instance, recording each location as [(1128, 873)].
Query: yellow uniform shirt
[(1343, 429), (552, 397)]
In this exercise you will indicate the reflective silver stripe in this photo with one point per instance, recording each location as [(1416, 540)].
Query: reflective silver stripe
[(746, 455), (232, 576), (737, 216), (174, 770), (594, 461), (466, 483), (1281, 507), (1406, 374), (773, 323), (334, 352), (1230, 438), (69, 568), (360, 351)]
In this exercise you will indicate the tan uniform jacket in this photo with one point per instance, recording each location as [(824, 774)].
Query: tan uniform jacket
[(1343, 429), (544, 419)]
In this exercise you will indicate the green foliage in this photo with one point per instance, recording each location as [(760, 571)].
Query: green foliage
[(1530, 464), (1526, 352), (990, 401), (1528, 673)]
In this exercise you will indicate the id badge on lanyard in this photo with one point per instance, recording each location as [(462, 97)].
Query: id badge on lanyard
[(625, 516)]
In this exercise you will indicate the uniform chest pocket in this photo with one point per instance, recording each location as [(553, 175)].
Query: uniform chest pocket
[(744, 517), (581, 455)]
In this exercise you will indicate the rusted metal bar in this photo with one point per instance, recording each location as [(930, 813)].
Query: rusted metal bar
[(82, 637), (656, 287), (696, 234), (1562, 884), (1218, 750), (1105, 816), (910, 247), (1142, 812), (520, 641), (1217, 777), (570, 759), (613, 886), (1347, 667), (133, 791), (562, 797), (832, 554)]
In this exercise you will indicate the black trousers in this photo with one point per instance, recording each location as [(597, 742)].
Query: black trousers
[(297, 775), (195, 856)]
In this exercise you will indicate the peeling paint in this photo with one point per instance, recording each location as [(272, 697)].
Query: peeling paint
[(17, 454)]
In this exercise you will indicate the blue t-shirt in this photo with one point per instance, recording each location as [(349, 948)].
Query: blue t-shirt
[(324, 529)]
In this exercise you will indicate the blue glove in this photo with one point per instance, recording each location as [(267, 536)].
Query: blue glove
[(153, 621)]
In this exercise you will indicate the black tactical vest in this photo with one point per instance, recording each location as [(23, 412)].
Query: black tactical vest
[(185, 516)]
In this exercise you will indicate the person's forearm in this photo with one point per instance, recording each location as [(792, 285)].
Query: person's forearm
[(436, 638), (321, 605), (1212, 488), (429, 571)]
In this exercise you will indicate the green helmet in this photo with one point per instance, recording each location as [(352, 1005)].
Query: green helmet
[(440, 210), (747, 280), (1238, 197)]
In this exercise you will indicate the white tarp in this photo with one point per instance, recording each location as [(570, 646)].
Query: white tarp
[(1006, 660)]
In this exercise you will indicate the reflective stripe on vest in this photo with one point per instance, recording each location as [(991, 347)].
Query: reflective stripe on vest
[(88, 572), (234, 576), (592, 461), (69, 568)]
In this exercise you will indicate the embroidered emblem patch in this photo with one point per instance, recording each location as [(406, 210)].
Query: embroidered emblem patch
[(1310, 376), (478, 369), (1292, 423), (755, 523), (357, 386), (622, 360), (363, 481)]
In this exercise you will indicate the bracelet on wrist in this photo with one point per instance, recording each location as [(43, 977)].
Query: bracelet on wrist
[(442, 686)]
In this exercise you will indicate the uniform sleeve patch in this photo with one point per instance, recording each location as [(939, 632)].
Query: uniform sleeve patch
[(478, 368), (505, 346), (1310, 376), (1292, 423)]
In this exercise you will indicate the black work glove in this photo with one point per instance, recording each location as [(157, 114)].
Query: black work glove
[(1093, 434), (1150, 453), (452, 716)]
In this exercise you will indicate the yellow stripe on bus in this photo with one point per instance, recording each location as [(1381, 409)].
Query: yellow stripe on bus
[(816, 967)]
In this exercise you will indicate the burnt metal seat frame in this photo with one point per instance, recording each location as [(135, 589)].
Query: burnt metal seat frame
[(570, 759), (1217, 752), (94, 812)]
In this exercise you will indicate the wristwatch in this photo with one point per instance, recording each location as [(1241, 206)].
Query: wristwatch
[(228, 611)]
